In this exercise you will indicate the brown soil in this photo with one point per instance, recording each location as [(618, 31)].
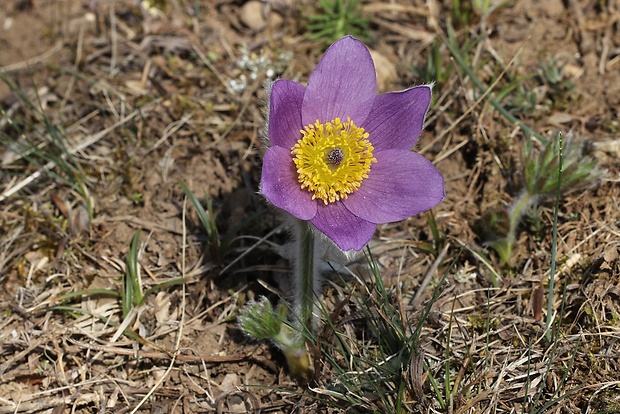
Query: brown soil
[(152, 96)]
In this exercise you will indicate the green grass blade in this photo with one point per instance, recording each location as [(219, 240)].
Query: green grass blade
[(132, 294), (206, 217), (452, 45), (554, 244)]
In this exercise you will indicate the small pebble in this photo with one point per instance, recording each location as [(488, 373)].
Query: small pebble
[(253, 15), (386, 71)]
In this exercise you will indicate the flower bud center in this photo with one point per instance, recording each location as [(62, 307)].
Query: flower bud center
[(332, 159), (335, 156)]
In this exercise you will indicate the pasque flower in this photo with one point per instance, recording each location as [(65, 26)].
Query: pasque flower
[(340, 155)]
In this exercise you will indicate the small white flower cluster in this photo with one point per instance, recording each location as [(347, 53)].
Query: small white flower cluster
[(254, 65), (464, 275)]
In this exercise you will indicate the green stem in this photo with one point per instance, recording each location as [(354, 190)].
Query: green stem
[(305, 272), (517, 212), (554, 243), (259, 320), (504, 245), (306, 280)]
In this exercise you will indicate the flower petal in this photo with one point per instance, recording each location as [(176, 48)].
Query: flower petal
[(343, 228), (285, 113), (400, 185), (344, 84), (279, 184), (397, 118)]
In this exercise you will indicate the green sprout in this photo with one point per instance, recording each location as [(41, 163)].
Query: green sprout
[(131, 295), (207, 219), (337, 19), (519, 99), (132, 291), (543, 177), (436, 70), (552, 75), (554, 170), (465, 13), (260, 321)]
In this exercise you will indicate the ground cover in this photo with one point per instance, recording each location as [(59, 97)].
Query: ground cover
[(113, 112)]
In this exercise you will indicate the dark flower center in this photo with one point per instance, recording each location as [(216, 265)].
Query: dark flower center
[(335, 156)]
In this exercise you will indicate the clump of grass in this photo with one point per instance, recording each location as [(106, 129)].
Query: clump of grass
[(207, 219), (436, 70), (337, 18), (552, 74), (381, 370), (545, 89), (466, 13), (38, 141), (543, 176), (460, 57), (131, 295)]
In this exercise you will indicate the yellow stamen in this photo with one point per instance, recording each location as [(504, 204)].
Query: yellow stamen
[(332, 159)]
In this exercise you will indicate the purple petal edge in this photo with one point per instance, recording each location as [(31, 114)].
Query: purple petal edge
[(279, 185), (344, 84), (397, 118), (346, 230), (285, 101), (401, 184)]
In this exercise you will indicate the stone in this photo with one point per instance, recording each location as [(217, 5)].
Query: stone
[(252, 15), (386, 71)]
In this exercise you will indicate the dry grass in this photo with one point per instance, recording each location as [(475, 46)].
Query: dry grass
[(143, 100)]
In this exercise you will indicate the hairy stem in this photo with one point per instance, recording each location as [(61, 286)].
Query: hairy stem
[(504, 245), (517, 211), (305, 274)]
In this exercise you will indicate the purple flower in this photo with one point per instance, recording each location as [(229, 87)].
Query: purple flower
[(340, 155)]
